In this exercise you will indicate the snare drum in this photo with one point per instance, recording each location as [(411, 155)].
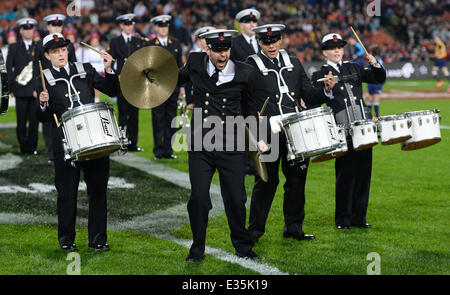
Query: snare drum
[(394, 129), (310, 132), (425, 130), (336, 153), (90, 132), (364, 134)]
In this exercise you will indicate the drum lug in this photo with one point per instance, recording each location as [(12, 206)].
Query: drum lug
[(409, 123), (420, 121), (394, 126)]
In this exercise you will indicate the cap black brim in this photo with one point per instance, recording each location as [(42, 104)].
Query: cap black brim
[(332, 43)]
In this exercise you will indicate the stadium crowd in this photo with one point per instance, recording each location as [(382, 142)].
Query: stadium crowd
[(411, 24)]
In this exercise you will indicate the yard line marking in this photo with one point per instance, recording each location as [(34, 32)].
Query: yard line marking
[(24, 218), (445, 127)]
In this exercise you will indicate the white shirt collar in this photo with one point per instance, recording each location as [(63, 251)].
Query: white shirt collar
[(163, 41), (334, 65), (125, 36), (225, 75), (66, 67), (27, 43), (278, 57)]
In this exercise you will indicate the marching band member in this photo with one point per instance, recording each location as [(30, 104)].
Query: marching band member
[(440, 61), (67, 176), (163, 114), (19, 64), (353, 170), (299, 86), (55, 24), (121, 48), (224, 86), (245, 44)]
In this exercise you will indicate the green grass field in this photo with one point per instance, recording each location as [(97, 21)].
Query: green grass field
[(409, 210)]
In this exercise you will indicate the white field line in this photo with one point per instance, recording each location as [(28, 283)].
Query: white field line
[(157, 223)]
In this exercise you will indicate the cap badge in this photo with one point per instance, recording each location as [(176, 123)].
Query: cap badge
[(335, 39), (269, 32), (221, 37), (56, 38)]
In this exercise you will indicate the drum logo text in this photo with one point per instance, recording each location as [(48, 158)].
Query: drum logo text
[(105, 124)]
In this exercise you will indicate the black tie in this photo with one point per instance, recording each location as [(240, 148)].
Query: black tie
[(63, 72), (341, 69), (215, 75), (275, 62)]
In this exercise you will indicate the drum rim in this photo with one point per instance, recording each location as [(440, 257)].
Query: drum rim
[(320, 151), (402, 116), (306, 114), (422, 112), (78, 152), (86, 108)]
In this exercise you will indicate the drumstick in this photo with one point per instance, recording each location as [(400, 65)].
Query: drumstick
[(45, 89), (92, 48), (357, 38), (325, 79), (264, 107)]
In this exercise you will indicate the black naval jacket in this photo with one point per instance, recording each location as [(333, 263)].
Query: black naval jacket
[(120, 51), (46, 64), (59, 102), (18, 58), (241, 49), (368, 74), (297, 81), (229, 99)]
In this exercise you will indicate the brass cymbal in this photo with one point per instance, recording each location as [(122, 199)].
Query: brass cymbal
[(148, 77), (254, 155)]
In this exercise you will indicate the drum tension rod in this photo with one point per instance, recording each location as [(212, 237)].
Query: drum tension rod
[(146, 73)]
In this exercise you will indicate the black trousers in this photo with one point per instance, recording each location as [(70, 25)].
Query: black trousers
[(129, 118), (353, 173), (231, 167), (294, 194), (27, 123), (67, 179), (47, 134), (162, 117)]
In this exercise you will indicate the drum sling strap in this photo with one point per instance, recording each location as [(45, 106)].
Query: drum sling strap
[(51, 79)]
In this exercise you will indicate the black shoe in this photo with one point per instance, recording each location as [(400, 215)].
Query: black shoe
[(99, 247), (195, 258), (171, 157), (249, 254), (299, 237), (69, 247), (135, 149), (365, 225), (342, 226)]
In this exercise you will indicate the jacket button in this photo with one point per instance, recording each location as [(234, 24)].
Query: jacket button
[(292, 93), (205, 120), (224, 100), (342, 87), (207, 94), (223, 122), (351, 86), (206, 102), (206, 111), (224, 107)]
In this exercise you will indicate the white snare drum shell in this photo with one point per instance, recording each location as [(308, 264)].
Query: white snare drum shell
[(394, 129), (91, 131), (364, 134), (425, 130)]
